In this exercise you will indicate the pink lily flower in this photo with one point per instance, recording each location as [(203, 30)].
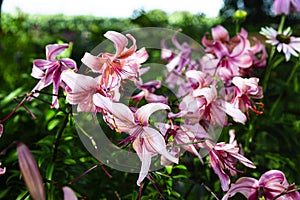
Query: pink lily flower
[(49, 70), (178, 61), (258, 54), (186, 137), (229, 57), (285, 7), (173, 80), (189, 137), (219, 33), (146, 141), (124, 64), (244, 90), (202, 103), (215, 110), (80, 90), (270, 185), (230, 61), (147, 92), (223, 157)]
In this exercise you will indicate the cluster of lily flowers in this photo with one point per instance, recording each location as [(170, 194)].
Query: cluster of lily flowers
[(201, 106), (216, 89)]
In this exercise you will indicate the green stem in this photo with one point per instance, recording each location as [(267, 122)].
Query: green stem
[(249, 137), (281, 24), (237, 27), (293, 73), (269, 69), (58, 136), (274, 106)]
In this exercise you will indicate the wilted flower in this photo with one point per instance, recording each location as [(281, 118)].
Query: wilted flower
[(270, 185), (30, 173), (284, 41), (49, 70), (285, 7)]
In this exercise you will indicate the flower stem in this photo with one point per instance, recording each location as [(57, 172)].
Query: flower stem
[(286, 84), (293, 73), (84, 173), (281, 24), (59, 134), (268, 70)]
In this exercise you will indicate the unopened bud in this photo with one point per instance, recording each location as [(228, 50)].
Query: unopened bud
[(240, 15), (69, 193), (30, 172)]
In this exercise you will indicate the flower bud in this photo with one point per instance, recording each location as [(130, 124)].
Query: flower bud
[(30, 172), (1, 129), (69, 193), (240, 15)]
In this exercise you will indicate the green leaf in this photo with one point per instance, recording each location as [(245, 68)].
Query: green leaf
[(69, 161), (182, 167), (11, 96), (180, 176), (52, 124), (3, 193), (169, 169)]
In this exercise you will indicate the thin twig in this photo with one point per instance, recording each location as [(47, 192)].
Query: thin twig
[(208, 189), (81, 175)]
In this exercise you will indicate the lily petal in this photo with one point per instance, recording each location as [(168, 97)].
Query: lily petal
[(119, 40), (123, 115), (94, 62), (53, 50), (155, 143), (236, 114), (145, 158), (144, 112), (220, 33), (246, 186)]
